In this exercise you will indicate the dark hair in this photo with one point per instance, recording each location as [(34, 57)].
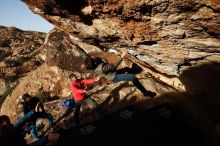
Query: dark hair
[(4, 118), (26, 97), (92, 63)]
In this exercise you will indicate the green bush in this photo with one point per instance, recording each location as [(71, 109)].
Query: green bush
[(43, 96), (3, 55), (22, 60), (7, 92), (11, 63)]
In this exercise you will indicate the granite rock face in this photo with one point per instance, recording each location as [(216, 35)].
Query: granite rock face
[(173, 41), (167, 36), (19, 54), (47, 80), (57, 52)]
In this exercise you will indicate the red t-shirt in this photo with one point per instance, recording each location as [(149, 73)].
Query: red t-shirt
[(77, 88)]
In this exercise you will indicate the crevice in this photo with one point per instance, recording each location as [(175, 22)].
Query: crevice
[(215, 33), (146, 10), (87, 19), (96, 41), (213, 9), (128, 19), (149, 43), (110, 39), (183, 36)]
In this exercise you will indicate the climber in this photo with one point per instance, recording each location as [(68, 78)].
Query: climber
[(34, 104), (108, 71), (14, 135), (80, 95)]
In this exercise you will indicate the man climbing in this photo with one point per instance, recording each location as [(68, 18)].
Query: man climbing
[(80, 94), (109, 71), (35, 105), (14, 135)]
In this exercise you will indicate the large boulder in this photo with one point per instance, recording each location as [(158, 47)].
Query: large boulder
[(165, 36), (50, 79), (19, 52)]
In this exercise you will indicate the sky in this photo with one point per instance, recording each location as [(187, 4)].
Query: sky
[(17, 14)]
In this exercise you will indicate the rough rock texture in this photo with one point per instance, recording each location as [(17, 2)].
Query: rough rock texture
[(18, 54), (56, 52), (51, 79), (52, 76), (176, 41), (168, 36)]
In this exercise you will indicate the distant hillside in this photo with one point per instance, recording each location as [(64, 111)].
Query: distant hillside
[(18, 54)]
